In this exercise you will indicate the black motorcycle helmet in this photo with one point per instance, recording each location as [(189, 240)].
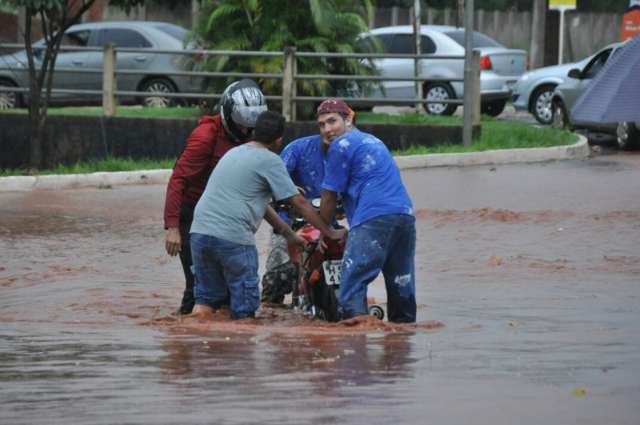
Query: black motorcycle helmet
[(240, 105)]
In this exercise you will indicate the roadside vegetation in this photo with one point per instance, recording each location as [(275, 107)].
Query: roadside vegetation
[(496, 134), (123, 111), (99, 165)]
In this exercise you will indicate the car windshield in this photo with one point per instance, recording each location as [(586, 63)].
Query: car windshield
[(478, 40), (174, 31)]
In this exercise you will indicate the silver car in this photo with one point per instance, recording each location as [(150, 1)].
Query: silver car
[(132, 34), (566, 94), (534, 89), (500, 67)]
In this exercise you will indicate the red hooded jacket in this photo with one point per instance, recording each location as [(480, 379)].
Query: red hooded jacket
[(207, 143)]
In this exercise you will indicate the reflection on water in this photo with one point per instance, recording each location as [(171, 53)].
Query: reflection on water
[(261, 377), (301, 374)]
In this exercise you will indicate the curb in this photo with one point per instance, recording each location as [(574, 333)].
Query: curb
[(73, 181), (579, 150)]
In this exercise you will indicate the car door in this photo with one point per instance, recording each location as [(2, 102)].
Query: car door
[(73, 63), (122, 38), (400, 67), (578, 86)]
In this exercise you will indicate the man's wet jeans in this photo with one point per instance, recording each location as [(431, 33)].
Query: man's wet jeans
[(386, 243), (222, 267), (186, 217)]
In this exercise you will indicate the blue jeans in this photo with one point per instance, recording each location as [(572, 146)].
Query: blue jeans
[(388, 244), (220, 266)]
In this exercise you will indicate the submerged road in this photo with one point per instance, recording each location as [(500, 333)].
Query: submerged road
[(533, 269)]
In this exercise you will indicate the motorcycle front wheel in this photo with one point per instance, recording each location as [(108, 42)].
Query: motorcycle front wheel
[(326, 301)]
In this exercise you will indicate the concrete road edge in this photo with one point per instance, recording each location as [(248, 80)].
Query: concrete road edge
[(579, 150)]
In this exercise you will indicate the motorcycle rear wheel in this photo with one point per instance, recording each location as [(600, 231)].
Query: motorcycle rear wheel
[(376, 311)]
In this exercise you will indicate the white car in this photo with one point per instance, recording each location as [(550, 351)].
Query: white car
[(500, 67)]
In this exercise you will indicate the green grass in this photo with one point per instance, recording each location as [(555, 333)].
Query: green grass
[(496, 134), (122, 111), (107, 164), (405, 118)]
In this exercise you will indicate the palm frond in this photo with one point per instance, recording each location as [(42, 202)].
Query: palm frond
[(349, 23), (221, 13)]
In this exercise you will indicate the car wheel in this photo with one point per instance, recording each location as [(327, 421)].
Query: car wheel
[(8, 99), (439, 91), (559, 119), (157, 87), (541, 104), (627, 135), (493, 108)]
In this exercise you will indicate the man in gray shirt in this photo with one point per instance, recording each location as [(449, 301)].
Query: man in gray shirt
[(237, 196)]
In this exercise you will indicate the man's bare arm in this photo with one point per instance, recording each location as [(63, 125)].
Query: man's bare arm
[(307, 211), (328, 201), (279, 226), (276, 222)]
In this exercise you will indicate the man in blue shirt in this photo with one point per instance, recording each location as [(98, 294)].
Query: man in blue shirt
[(382, 234), (304, 159)]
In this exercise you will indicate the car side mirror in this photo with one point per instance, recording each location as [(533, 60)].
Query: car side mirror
[(574, 73)]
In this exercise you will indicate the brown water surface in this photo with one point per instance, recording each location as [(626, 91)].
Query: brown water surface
[(534, 271)]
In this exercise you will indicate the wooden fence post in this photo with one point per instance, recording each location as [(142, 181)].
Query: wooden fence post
[(289, 84), (109, 81), (471, 110), (417, 66)]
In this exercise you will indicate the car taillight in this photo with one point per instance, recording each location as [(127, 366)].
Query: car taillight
[(485, 62)]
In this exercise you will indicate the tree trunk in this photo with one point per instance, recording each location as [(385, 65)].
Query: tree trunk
[(536, 51), (35, 140), (54, 24), (460, 13), (35, 147)]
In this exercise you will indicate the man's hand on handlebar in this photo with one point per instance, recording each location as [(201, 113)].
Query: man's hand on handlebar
[(336, 235), (295, 239)]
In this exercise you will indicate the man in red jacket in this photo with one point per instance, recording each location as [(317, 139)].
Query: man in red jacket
[(240, 106)]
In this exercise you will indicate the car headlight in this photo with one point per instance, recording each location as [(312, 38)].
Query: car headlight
[(525, 77)]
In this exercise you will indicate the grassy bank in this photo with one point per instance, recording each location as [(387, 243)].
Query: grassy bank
[(123, 111), (106, 164), (496, 134)]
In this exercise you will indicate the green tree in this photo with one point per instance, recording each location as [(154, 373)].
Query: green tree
[(272, 25), (55, 16)]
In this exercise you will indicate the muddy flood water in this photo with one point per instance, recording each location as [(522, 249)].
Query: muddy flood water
[(533, 271)]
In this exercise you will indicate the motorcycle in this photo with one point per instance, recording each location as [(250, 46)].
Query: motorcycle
[(317, 289)]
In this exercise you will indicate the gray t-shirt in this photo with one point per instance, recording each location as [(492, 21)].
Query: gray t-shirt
[(237, 193)]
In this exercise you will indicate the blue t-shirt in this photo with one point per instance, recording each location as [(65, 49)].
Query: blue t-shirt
[(361, 168), (304, 160)]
